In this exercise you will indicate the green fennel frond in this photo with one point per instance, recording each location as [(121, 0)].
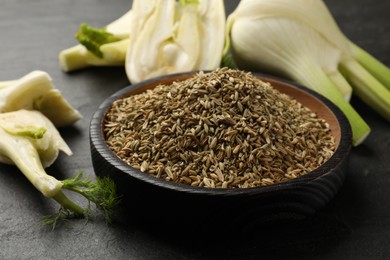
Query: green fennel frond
[(62, 215), (102, 193)]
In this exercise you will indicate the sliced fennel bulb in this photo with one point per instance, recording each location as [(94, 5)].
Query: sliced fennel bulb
[(170, 37), (36, 91), (300, 40), (155, 37), (31, 142)]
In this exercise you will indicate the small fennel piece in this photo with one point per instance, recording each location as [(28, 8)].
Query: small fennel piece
[(93, 38), (301, 40), (31, 142), (172, 37), (35, 91), (112, 53), (78, 57)]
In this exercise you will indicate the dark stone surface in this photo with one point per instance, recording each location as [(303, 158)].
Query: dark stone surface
[(354, 225)]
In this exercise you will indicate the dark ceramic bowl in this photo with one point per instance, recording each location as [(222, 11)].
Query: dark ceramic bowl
[(157, 199)]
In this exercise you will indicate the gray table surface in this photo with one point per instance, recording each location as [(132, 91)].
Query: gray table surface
[(354, 225)]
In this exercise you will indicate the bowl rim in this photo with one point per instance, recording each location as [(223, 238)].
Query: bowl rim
[(99, 144)]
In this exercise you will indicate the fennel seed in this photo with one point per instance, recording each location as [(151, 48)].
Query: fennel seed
[(223, 129)]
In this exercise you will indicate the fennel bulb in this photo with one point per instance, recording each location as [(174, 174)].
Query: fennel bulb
[(300, 40), (167, 37), (31, 142)]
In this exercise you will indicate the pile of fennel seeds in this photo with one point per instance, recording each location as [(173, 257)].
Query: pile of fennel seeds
[(223, 129)]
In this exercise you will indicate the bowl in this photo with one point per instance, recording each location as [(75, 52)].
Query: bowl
[(152, 198)]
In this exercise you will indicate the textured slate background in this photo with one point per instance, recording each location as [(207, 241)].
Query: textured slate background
[(354, 225)]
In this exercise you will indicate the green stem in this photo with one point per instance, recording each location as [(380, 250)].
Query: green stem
[(367, 87), (379, 70), (342, 84), (319, 82), (83, 193), (68, 204)]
